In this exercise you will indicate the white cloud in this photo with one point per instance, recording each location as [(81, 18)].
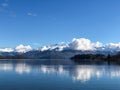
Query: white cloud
[(23, 49), (113, 45), (31, 14), (7, 50), (98, 44), (81, 44), (76, 44), (86, 44)]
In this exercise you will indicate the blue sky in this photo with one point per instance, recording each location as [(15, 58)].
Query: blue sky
[(44, 22)]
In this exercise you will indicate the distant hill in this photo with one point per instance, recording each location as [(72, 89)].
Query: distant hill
[(97, 57)]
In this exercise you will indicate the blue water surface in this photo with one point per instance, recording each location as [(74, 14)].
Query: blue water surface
[(57, 75)]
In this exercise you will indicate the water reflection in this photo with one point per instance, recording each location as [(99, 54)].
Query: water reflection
[(82, 73), (85, 73), (22, 68), (53, 69), (6, 67)]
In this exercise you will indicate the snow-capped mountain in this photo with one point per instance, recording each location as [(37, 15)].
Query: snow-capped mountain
[(56, 47), (14, 51), (19, 49), (83, 44), (64, 50)]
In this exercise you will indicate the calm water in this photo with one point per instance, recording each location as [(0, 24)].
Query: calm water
[(57, 75)]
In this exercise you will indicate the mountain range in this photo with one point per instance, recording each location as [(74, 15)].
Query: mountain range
[(63, 50)]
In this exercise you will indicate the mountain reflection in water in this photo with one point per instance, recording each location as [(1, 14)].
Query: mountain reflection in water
[(82, 73)]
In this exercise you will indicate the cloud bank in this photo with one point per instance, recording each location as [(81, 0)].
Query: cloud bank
[(7, 50), (23, 49), (20, 49), (82, 44)]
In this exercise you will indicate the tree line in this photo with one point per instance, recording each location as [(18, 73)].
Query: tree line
[(96, 57)]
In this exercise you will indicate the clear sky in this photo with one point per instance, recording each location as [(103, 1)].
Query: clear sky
[(44, 22)]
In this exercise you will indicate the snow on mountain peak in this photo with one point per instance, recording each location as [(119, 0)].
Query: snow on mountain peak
[(23, 49), (20, 49), (7, 50), (82, 44), (57, 47)]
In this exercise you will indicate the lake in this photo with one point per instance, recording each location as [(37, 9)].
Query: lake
[(57, 75)]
